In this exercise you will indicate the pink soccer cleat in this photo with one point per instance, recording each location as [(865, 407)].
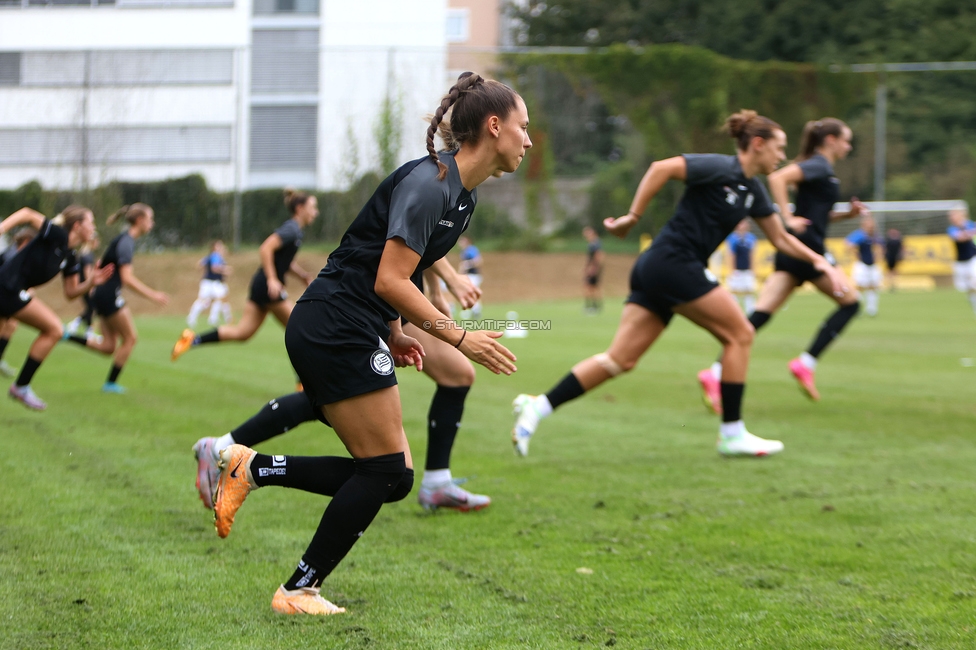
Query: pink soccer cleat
[(804, 376), (711, 391)]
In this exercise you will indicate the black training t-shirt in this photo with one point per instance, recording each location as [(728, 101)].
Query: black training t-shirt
[(290, 234), (39, 261), (717, 197), (815, 198), (120, 251), (429, 215)]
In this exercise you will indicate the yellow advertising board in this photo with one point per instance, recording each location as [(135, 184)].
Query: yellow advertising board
[(922, 255)]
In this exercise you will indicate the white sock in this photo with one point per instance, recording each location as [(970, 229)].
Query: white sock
[(717, 370), (435, 477), (543, 407), (750, 303), (223, 442), (972, 300), (808, 361), (871, 302), (731, 429)]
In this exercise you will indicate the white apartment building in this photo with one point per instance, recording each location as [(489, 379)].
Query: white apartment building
[(248, 93)]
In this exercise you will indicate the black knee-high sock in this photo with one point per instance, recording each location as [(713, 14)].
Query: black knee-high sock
[(276, 417), (832, 328), (567, 389), (27, 372), (759, 318), (213, 336), (316, 474), (351, 511), (443, 420), (113, 375), (3, 346), (732, 401)]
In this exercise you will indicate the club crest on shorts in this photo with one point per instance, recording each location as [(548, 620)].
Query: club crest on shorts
[(381, 362), (710, 276)]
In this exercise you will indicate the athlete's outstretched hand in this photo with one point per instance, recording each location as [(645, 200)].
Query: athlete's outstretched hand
[(482, 347), (838, 280), (102, 273), (406, 351), (464, 290), (858, 208), (160, 298), (620, 226)]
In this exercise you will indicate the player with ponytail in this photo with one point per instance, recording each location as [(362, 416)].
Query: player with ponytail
[(823, 143), (344, 336), (672, 276), (118, 329)]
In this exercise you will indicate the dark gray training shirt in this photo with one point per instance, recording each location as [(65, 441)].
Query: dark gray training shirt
[(429, 215), (717, 197)]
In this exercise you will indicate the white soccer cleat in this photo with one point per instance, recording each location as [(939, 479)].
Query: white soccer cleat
[(451, 495), (525, 424), (746, 444)]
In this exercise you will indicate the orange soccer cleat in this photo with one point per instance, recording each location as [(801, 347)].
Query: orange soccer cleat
[(183, 344), (303, 601), (233, 486)]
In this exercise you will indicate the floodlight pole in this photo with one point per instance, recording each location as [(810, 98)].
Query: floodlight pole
[(881, 104)]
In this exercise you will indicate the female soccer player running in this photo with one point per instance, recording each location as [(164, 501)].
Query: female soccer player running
[(50, 252), (344, 336), (446, 366), (824, 142), (267, 292), (21, 239), (867, 273), (118, 330), (672, 276)]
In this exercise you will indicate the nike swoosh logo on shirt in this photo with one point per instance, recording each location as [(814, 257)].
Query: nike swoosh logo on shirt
[(462, 206)]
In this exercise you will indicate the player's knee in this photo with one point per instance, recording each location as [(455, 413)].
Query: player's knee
[(402, 488), (614, 367), (388, 472), (56, 332), (743, 336)]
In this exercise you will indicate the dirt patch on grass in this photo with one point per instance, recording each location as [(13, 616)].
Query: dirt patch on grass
[(509, 276)]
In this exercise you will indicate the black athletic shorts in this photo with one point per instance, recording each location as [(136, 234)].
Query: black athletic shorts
[(593, 280), (665, 277), (107, 301), (336, 355), (891, 261), (12, 302), (802, 271), (258, 292)]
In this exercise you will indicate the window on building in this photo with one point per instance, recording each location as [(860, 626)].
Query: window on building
[(119, 146), (40, 146), (283, 137), (9, 68), (458, 25), (285, 61), (160, 67), (264, 7)]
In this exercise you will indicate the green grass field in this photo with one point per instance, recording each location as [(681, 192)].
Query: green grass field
[(860, 535)]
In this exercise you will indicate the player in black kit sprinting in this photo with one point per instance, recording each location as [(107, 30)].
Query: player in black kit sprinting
[(344, 337), (824, 142), (118, 328), (49, 253), (672, 276), (267, 293)]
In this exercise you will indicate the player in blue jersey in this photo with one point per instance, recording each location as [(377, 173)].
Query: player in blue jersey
[(962, 230), (867, 273), (470, 265), (213, 288), (742, 279), (672, 277)]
